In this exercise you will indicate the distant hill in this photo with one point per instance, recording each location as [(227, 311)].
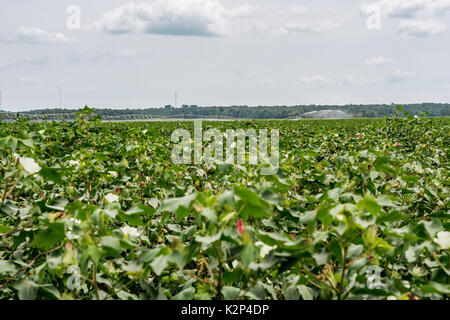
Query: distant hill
[(270, 112)]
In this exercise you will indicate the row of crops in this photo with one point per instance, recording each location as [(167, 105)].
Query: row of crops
[(359, 209)]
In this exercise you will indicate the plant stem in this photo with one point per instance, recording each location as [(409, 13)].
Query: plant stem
[(94, 281), (4, 193), (219, 280), (341, 285), (140, 186), (28, 265)]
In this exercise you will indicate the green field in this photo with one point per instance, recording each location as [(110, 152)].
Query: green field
[(358, 210)]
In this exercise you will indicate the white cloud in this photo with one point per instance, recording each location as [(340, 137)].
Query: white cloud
[(311, 26), (266, 81), (409, 29), (249, 76), (447, 85), (36, 35), (294, 10), (315, 80), (379, 61), (400, 75), (298, 9), (128, 53), (31, 80), (37, 61), (350, 79), (92, 89), (182, 18), (409, 8)]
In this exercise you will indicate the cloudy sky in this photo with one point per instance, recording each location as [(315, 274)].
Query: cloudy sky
[(223, 52)]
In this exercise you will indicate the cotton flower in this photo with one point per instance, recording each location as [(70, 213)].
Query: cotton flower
[(443, 239), (114, 174), (75, 221), (240, 227), (357, 135), (396, 144), (130, 231), (264, 249), (29, 165), (144, 131), (112, 198), (74, 163)]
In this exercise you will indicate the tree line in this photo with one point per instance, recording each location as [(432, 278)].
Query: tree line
[(265, 112)]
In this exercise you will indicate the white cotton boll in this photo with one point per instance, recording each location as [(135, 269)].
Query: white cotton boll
[(443, 239), (113, 173), (74, 163), (29, 165), (264, 248), (130, 231), (112, 198)]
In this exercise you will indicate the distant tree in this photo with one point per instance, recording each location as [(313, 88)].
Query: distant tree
[(445, 112)]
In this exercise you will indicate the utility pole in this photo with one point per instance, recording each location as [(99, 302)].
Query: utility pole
[(176, 98)]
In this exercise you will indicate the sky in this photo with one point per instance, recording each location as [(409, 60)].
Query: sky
[(122, 54)]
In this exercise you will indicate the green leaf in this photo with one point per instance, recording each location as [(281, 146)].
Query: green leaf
[(179, 206), (159, 264), (26, 289), (111, 246), (9, 143), (46, 238), (93, 253), (177, 258), (7, 267), (9, 209), (249, 254), (292, 293), (392, 217), (433, 227), (370, 205), (57, 204), (336, 250), (209, 214), (123, 295), (209, 239), (306, 292), (324, 216), (49, 291), (434, 287), (51, 174), (231, 293), (148, 255), (250, 204), (321, 258), (186, 294), (5, 229)]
